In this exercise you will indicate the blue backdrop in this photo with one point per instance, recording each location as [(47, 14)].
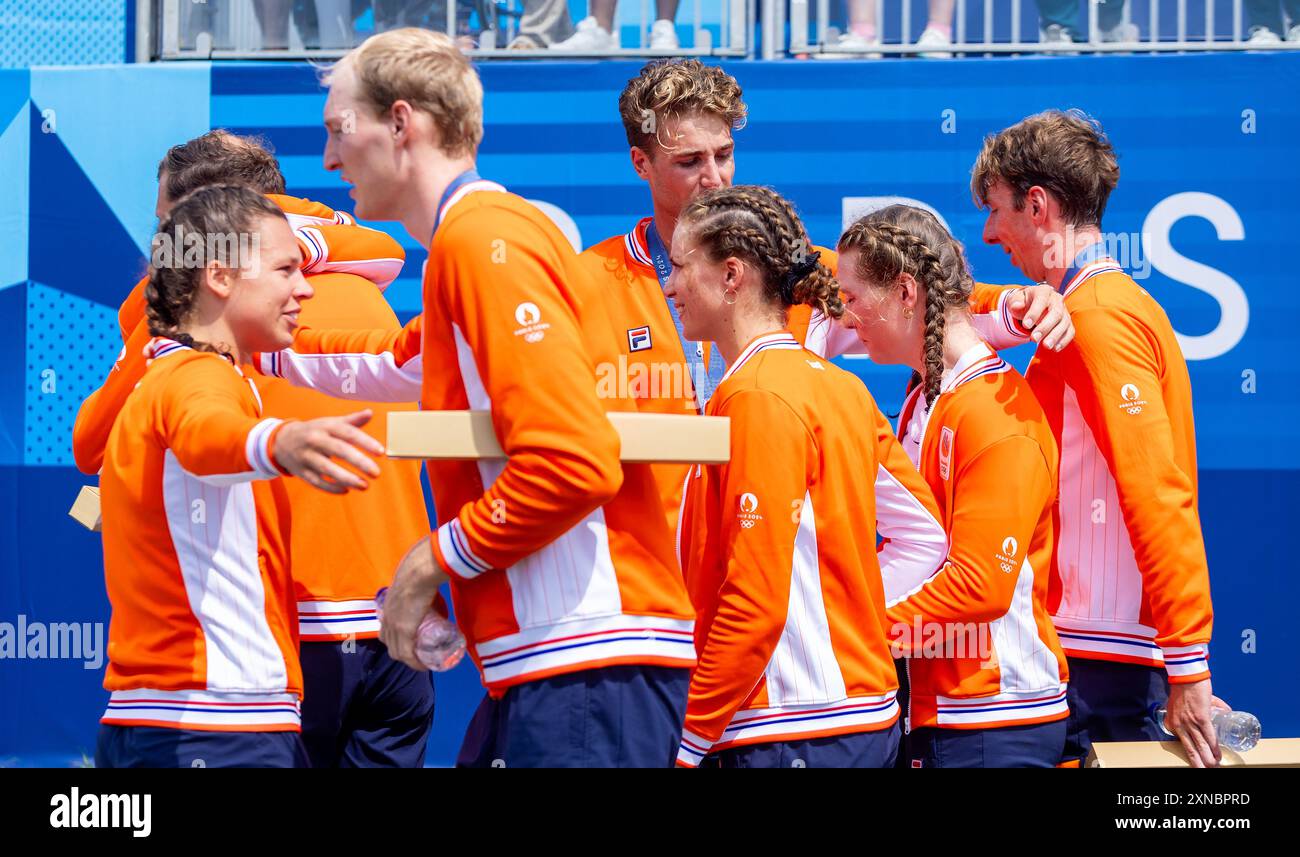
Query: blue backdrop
[(1204, 214)]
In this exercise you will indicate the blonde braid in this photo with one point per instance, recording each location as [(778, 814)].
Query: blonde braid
[(899, 240)]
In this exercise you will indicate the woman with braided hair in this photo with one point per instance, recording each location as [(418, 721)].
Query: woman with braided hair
[(203, 644), (987, 675), (778, 545)]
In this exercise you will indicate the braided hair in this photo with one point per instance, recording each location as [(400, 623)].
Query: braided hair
[(758, 225), (903, 239), (217, 215)]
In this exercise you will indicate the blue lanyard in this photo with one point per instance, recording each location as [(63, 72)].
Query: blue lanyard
[(658, 254), (456, 184), (1086, 256), (705, 376)]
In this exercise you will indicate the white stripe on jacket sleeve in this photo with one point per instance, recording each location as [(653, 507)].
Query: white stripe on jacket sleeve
[(692, 749), (917, 544), (367, 377), (998, 328), (1184, 661)]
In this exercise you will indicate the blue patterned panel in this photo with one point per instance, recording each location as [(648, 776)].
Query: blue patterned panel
[(62, 32), (15, 177), (71, 344)]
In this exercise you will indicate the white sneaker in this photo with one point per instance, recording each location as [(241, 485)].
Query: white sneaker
[(1293, 34), (848, 46), (1263, 36), (934, 39), (1054, 34), (1121, 33), (591, 37), (663, 36)]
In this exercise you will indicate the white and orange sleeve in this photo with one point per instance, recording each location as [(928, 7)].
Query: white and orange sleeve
[(992, 317), (207, 421), (379, 365), (1112, 353), (501, 283), (350, 249), (990, 531), (913, 542)]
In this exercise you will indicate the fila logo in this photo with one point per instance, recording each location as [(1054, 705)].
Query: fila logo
[(748, 511), (1007, 559), (1132, 399), (531, 327), (945, 452), (638, 339)]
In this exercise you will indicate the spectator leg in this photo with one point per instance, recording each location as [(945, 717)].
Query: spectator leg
[(940, 17), (862, 19), (304, 19), (334, 20), (1062, 12), (604, 12), (544, 23), (1110, 14), (1266, 13), (1292, 11), (273, 18)]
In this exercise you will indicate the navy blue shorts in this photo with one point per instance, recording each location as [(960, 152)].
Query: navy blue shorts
[(361, 708), (159, 747), (611, 717), (857, 750), (1111, 701), (1038, 745)]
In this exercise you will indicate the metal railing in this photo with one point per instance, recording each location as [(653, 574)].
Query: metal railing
[(1013, 26), (325, 29), (234, 29)]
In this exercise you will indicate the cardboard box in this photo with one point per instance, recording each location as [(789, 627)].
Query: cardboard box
[(683, 439), (85, 510), (1268, 753)]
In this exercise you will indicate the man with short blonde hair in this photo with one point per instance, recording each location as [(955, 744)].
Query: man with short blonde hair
[(567, 592), (428, 71)]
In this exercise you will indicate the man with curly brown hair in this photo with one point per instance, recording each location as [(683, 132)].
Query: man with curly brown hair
[(680, 117)]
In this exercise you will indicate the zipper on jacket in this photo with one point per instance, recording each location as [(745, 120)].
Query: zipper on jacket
[(907, 718)]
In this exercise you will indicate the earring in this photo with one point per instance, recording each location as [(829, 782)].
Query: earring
[(729, 297), (907, 312)]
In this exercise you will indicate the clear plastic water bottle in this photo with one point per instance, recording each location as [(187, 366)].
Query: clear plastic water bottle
[(439, 644), (1236, 730)]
